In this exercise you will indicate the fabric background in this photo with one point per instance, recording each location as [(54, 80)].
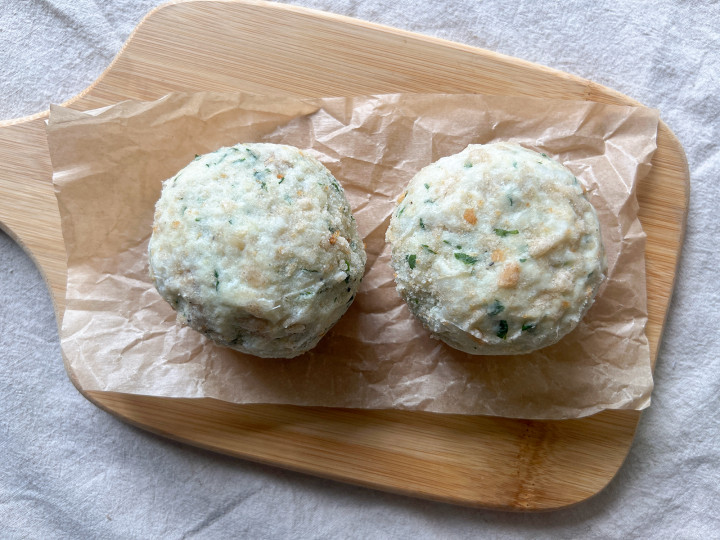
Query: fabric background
[(69, 470)]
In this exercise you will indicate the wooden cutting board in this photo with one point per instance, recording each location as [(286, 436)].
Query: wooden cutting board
[(269, 48)]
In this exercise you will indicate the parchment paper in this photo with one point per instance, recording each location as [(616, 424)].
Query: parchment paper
[(119, 335)]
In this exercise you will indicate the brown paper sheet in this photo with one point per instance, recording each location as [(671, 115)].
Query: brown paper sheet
[(119, 335)]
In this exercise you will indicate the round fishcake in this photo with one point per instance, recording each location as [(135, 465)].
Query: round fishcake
[(255, 246), (496, 249)]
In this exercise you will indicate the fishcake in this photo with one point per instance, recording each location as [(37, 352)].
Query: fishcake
[(255, 246), (496, 249)]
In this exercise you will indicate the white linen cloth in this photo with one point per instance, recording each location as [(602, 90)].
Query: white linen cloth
[(69, 470)]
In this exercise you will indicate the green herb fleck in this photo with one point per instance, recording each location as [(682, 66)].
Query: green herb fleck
[(514, 164), (259, 177), (495, 308), (427, 248), (217, 280), (400, 211), (282, 179), (197, 219), (347, 266), (422, 225), (207, 165), (449, 244), (523, 259), (336, 186), (528, 327), (427, 186), (219, 161), (183, 210), (504, 232), (230, 221), (252, 154), (467, 259), (411, 260), (197, 156), (468, 165), (502, 329), (543, 155), (238, 161), (510, 199)]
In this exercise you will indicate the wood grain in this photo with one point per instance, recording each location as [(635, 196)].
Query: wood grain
[(270, 48)]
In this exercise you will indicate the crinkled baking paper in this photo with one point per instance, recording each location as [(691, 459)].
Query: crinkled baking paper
[(118, 334)]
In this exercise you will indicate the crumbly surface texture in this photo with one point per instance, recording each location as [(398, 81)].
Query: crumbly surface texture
[(496, 249), (255, 246)]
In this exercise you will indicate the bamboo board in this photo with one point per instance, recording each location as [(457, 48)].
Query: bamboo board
[(269, 48)]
